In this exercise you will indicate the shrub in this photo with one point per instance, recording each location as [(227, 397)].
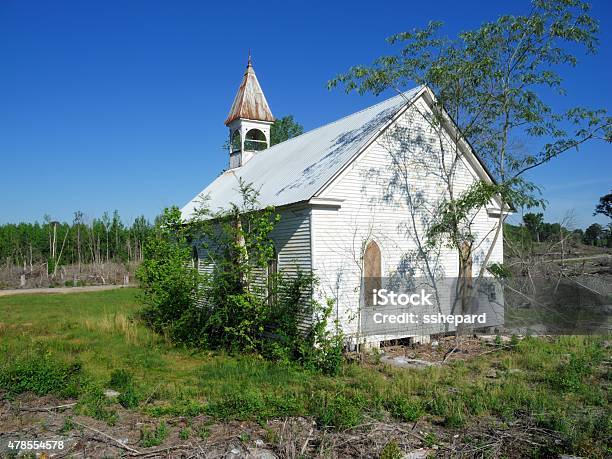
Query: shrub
[(38, 371), (153, 437), (391, 451), (253, 405), (120, 379), (338, 411), (231, 308), (94, 403), (404, 410), (315, 346), (129, 398), (169, 284)]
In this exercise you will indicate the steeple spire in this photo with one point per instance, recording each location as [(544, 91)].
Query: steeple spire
[(250, 101), (249, 120)]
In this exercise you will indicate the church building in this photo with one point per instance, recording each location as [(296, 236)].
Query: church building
[(355, 196)]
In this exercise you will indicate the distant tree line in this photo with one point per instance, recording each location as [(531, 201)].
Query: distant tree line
[(535, 229), (80, 241)]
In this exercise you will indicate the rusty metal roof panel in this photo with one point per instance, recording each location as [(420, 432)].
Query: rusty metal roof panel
[(250, 101), (294, 170)]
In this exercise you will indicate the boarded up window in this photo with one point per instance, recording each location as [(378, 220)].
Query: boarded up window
[(372, 271)]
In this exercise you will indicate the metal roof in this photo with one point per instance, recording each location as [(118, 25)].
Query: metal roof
[(250, 102), (294, 170)]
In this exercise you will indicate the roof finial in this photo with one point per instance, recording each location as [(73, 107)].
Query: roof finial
[(249, 64)]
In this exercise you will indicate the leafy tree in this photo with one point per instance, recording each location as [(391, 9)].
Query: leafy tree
[(495, 83), (533, 223), (605, 206), (284, 128), (552, 231), (578, 233), (594, 234), (168, 281)]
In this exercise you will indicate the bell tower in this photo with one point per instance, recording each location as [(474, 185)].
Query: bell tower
[(249, 120)]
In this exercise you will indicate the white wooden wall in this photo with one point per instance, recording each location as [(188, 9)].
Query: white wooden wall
[(338, 235), (291, 237)]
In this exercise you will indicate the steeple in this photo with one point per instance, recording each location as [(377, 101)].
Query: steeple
[(249, 120)]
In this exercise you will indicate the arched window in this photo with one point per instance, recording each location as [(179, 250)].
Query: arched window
[(255, 140), (372, 271), (236, 143)]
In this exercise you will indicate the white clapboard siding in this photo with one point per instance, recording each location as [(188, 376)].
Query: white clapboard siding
[(292, 240), (371, 210), (291, 237)]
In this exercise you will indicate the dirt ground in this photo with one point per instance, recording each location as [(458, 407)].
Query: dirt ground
[(90, 288), (445, 349), (34, 418)]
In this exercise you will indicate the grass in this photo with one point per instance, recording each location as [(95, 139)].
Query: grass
[(76, 345)]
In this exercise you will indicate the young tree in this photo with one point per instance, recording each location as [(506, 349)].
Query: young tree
[(106, 222), (493, 85), (117, 231), (533, 223), (139, 231), (77, 223)]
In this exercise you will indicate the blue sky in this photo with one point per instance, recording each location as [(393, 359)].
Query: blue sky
[(120, 105)]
